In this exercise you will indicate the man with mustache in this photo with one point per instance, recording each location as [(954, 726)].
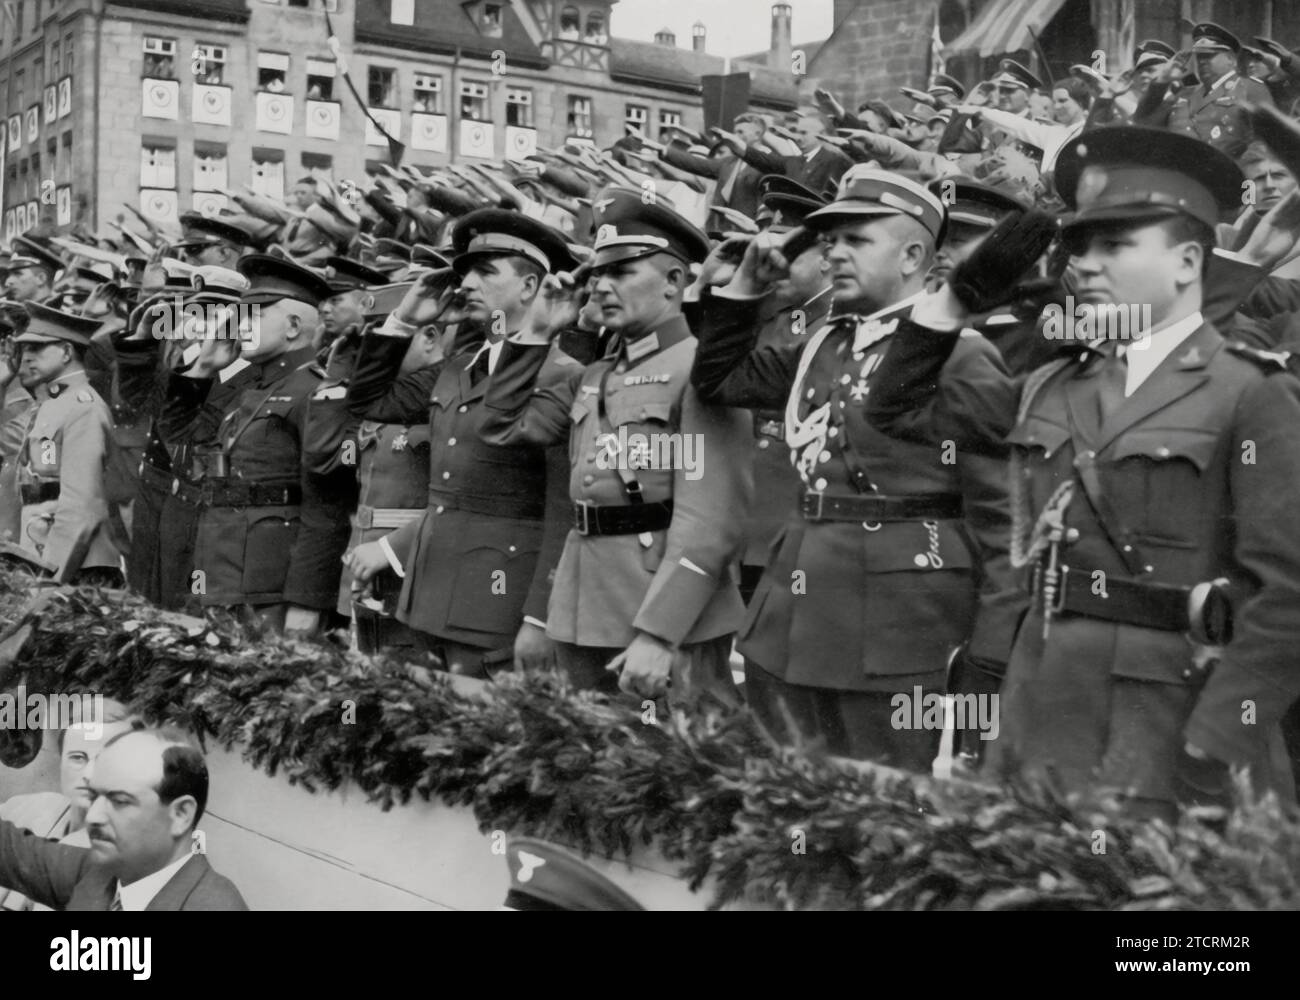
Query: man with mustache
[(148, 790)]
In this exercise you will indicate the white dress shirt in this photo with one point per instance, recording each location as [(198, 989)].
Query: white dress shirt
[(141, 892), (1145, 353)]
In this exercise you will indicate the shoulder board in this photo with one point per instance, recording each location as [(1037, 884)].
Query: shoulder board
[(330, 392), (85, 396), (1269, 361)]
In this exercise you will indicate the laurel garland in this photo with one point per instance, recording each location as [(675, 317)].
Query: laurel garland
[(765, 825)]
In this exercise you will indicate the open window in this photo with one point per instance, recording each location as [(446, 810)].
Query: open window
[(320, 79), (382, 87), (428, 94), (273, 72), (474, 101), (519, 107), (159, 58), (210, 65)]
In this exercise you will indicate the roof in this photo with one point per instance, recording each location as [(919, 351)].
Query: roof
[(680, 69), (445, 26)]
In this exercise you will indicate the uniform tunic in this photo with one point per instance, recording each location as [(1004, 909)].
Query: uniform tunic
[(1217, 115), (67, 444), (680, 586)]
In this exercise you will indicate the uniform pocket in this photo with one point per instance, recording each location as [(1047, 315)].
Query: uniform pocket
[(491, 582), (267, 545)]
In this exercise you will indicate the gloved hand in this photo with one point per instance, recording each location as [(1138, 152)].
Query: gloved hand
[(987, 278)]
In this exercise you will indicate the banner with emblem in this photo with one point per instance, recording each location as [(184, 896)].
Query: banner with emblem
[(274, 113), (51, 103), (10, 232), (429, 132), (390, 119), (323, 119), (159, 203), (33, 129), (520, 142), (65, 97), (209, 203), (33, 214), (210, 105), (476, 139), (63, 205), (160, 99)]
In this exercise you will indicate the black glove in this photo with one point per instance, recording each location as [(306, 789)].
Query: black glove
[(1202, 782), (987, 278)]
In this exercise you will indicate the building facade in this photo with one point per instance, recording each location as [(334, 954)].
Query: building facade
[(161, 105)]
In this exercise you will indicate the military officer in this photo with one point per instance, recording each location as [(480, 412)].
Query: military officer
[(61, 465), (659, 480), (1015, 84), (1153, 483), (164, 511), (270, 533), (1214, 112), (895, 555), (209, 241), (546, 877), (343, 314), (469, 564), (30, 273)]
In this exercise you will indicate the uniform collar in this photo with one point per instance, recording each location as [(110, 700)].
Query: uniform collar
[(667, 334), (72, 380), (1226, 78), (278, 368)]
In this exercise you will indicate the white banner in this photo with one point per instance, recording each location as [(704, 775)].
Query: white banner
[(274, 113), (160, 99), (65, 97), (390, 118), (33, 123), (476, 139), (15, 132), (51, 103), (429, 132), (159, 203), (210, 105), (33, 214), (520, 142), (63, 206), (323, 119)]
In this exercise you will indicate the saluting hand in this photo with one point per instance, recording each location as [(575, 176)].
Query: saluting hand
[(430, 299), (762, 265), (556, 305)]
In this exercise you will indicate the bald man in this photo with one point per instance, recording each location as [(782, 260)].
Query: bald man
[(148, 790)]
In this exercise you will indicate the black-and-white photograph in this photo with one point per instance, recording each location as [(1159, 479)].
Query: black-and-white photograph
[(650, 455)]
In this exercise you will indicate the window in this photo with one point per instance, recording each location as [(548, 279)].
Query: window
[(474, 101), (159, 58), (637, 115), (38, 71), (65, 171), (320, 79), (403, 12), (428, 93), (667, 118), (318, 165), (595, 33), (55, 53), (569, 22), (67, 53), (272, 72), (580, 116), (382, 88), (210, 171), (490, 20), (157, 164), (210, 65), (268, 173), (519, 107)]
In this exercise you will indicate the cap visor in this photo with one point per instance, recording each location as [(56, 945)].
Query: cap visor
[(35, 338), (838, 213), (619, 254), (1135, 215)]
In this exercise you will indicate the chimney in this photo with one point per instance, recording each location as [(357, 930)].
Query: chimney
[(782, 46), (697, 36), (665, 36)]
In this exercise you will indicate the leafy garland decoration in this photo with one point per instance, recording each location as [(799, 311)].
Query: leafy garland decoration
[(768, 826)]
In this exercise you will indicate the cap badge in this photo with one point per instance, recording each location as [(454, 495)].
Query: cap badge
[(527, 864), (606, 232), (601, 205), (1092, 184)]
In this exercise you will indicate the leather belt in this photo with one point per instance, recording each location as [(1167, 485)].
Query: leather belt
[(223, 493), (934, 507), (385, 517), (489, 506), (39, 492), (621, 519), (1204, 610)]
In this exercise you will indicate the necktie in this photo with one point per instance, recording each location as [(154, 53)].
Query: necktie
[(1111, 382), (117, 899)]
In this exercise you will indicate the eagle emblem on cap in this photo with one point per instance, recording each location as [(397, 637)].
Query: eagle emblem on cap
[(1092, 182), (528, 863), (606, 232), (198, 282)]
